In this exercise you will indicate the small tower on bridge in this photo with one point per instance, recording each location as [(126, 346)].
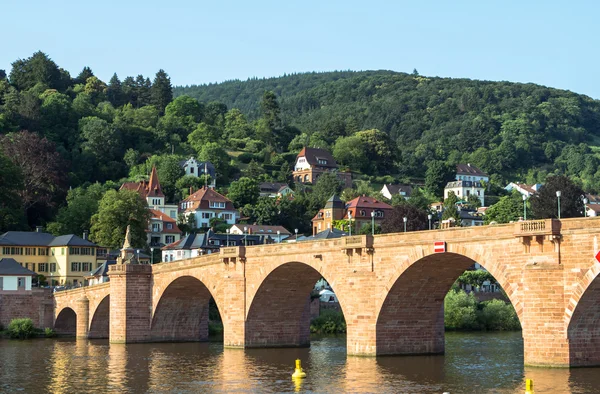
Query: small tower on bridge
[(127, 251)]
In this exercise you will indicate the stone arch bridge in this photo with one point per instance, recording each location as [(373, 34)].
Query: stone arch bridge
[(391, 289)]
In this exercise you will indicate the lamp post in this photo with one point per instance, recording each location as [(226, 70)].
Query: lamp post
[(558, 200), (278, 236), (50, 280), (524, 207), (429, 219), (245, 236), (151, 255), (227, 237), (296, 232), (405, 219), (350, 223), (373, 223), (585, 201)]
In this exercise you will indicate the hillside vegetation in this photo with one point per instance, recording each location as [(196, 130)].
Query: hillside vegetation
[(513, 131)]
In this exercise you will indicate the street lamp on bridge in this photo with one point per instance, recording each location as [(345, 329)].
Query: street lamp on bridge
[(429, 219), (373, 223), (585, 202), (524, 207), (350, 223), (405, 219), (558, 200)]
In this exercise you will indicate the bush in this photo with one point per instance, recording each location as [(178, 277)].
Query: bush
[(328, 322), (215, 327), (49, 333), (245, 157), (498, 315), (255, 146), (237, 143), (462, 311), (21, 328)]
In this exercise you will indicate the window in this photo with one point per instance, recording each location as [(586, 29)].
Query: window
[(33, 266), (42, 251), (322, 161), (42, 267), (206, 215), (214, 242), (226, 216), (217, 204), (29, 251), (62, 251), (1, 283), (192, 170), (363, 213), (328, 214), (379, 214), (170, 226), (52, 267), (21, 282), (170, 239), (74, 251), (156, 227), (173, 214), (101, 252), (305, 178)]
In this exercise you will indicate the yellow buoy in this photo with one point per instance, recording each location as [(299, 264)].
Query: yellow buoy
[(528, 386), (298, 373)]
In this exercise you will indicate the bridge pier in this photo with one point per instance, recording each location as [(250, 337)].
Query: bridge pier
[(130, 303), (82, 310), (234, 324)]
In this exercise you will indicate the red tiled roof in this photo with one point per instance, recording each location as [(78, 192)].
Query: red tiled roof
[(165, 219), (202, 197), (313, 155), (150, 188), (366, 202)]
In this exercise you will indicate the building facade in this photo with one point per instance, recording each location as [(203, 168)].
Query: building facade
[(13, 276), (206, 204), (162, 229), (196, 168), (359, 209), (390, 190), (63, 260), (275, 190), (278, 233), (311, 163)]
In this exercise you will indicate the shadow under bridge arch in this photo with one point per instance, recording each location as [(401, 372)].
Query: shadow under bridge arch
[(279, 313), (411, 318), (182, 313)]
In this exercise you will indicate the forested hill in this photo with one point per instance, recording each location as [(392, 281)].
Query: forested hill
[(514, 131)]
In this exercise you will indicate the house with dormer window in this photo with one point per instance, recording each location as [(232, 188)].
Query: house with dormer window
[(206, 204), (311, 163), (197, 168), (162, 229), (470, 181)]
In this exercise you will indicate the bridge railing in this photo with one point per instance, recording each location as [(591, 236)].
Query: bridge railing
[(537, 227)]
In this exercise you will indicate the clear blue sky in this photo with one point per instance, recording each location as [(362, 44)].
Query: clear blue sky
[(553, 43)]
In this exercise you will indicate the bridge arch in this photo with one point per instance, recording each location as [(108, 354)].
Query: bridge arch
[(100, 322), (582, 316), (66, 322), (410, 318), (279, 311), (182, 311)]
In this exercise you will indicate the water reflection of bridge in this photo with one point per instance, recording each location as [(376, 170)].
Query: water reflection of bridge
[(390, 287)]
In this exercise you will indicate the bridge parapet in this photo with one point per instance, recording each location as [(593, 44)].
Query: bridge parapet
[(232, 255), (537, 227), (357, 244)]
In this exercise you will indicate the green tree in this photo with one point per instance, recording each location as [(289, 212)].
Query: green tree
[(236, 125), (460, 311), (117, 210), (83, 76), (438, 174), (545, 203), (114, 91), (380, 150), (327, 185), (416, 219), (11, 212), (244, 191), (214, 153), (507, 209), (352, 152), (202, 135), (161, 91), (38, 68), (450, 210), (82, 204), (100, 138)]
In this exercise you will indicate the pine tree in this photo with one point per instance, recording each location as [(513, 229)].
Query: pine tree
[(114, 92), (130, 92), (84, 75), (142, 87), (161, 91)]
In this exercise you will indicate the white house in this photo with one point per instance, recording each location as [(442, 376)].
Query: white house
[(389, 191), (468, 182), (278, 233), (468, 172), (196, 168), (14, 277), (526, 190), (206, 204)]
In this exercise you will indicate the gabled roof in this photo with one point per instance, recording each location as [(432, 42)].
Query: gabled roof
[(453, 184), (10, 267), (201, 199), (273, 187), (103, 269), (158, 215), (312, 156), (328, 234), (150, 188), (396, 189), (468, 169), (26, 238), (70, 240), (367, 202)]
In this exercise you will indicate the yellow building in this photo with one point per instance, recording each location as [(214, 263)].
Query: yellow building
[(63, 260)]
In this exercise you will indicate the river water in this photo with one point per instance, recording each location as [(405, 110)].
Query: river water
[(474, 363)]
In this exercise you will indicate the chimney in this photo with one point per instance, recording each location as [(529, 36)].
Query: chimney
[(191, 190), (39, 229), (85, 234)]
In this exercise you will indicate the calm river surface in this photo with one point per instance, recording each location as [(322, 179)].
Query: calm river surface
[(474, 363)]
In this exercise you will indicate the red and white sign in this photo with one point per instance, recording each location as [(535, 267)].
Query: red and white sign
[(598, 256), (440, 247)]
